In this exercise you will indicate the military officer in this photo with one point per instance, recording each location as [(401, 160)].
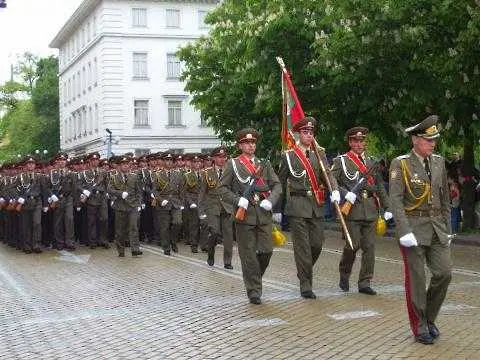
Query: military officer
[(191, 185), (215, 213), (303, 184), (419, 201), (365, 203), (254, 231)]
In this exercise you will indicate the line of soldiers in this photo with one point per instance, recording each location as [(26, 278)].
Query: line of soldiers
[(157, 198), (212, 196), (418, 200)]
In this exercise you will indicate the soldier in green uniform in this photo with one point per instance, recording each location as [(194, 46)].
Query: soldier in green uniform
[(303, 185), (215, 214), (191, 185), (365, 203), (254, 232), (419, 200)]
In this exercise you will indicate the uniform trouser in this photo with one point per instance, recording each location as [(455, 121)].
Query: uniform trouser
[(32, 227), (97, 225), (255, 249), (167, 225), (126, 230), (307, 237), (13, 229), (221, 225), (192, 226), (423, 305), (145, 228), (63, 226), (363, 237)]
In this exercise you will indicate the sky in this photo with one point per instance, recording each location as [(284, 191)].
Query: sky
[(30, 25)]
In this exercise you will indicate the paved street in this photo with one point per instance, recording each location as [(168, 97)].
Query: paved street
[(94, 305)]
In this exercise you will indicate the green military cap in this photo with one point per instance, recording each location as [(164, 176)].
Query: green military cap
[(357, 133), (426, 129), (307, 123), (219, 151), (247, 134)]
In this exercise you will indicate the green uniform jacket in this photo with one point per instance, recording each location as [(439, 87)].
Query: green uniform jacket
[(347, 177), (294, 179), (130, 183), (208, 196), (168, 185), (439, 206), (233, 183)]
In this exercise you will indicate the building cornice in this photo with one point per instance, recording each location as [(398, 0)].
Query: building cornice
[(87, 7)]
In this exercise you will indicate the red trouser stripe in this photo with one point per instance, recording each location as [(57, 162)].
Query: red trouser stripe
[(412, 315)]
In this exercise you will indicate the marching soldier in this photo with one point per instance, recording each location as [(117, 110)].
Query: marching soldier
[(213, 211), (144, 228), (60, 189), (167, 195), (125, 186), (365, 203), (192, 186), (419, 200), (254, 221), (303, 184)]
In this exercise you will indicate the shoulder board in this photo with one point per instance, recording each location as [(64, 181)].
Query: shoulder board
[(438, 156), (406, 156)]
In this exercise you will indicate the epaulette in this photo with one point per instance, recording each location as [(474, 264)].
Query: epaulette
[(406, 156), (436, 155)]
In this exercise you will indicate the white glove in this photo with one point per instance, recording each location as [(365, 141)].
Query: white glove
[(243, 203), (2, 200), (143, 206), (202, 217), (11, 201), (152, 196), (79, 208), (350, 197), (182, 207), (266, 204), (83, 197), (86, 193), (45, 209), (21, 200), (193, 206), (54, 198), (124, 195), (139, 208), (450, 238), (387, 215), (408, 240), (277, 217), (335, 196), (49, 200), (164, 202)]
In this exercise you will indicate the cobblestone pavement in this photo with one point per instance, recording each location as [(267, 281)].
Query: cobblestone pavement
[(94, 305)]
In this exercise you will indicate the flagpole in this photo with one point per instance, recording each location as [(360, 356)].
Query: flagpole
[(322, 165)]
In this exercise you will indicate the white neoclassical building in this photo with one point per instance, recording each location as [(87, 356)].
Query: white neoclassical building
[(118, 75)]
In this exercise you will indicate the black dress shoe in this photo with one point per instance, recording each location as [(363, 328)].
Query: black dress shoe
[(211, 256), (27, 251), (194, 249), (255, 300), (166, 252), (137, 252), (71, 248), (343, 284), (308, 294), (121, 254), (367, 290), (175, 248), (425, 339), (433, 330), (37, 251), (228, 266)]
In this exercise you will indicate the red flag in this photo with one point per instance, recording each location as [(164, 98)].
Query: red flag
[(292, 110)]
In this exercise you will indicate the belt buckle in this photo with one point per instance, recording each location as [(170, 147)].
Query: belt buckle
[(309, 192), (365, 194), (256, 198)]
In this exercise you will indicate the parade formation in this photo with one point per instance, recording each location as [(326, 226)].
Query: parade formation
[(208, 199)]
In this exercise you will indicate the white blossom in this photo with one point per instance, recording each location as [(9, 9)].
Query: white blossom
[(452, 52), (465, 78), (328, 9)]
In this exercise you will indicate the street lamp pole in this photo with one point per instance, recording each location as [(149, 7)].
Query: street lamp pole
[(109, 143)]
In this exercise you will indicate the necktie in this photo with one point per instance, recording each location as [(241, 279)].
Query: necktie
[(307, 153), (219, 173), (361, 159), (427, 168)]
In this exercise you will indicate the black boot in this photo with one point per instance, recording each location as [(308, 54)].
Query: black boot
[(211, 256), (263, 261)]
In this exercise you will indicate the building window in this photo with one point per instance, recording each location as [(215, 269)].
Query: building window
[(95, 71), (140, 113), (84, 118), (74, 87), (97, 119), (201, 19), (89, 81), (79, 83), (139, 17), (89, 32), (174, 113), (177, 151), (90, 120), (140, 70), (173, 18), (84, 80), (173, 67)]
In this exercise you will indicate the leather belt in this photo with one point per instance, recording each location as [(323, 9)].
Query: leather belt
[(424, 213), (301, 193)]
